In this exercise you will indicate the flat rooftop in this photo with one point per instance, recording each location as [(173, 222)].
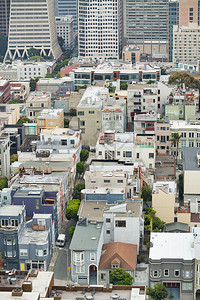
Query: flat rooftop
[(93, 97), (25, 296), (41, 283), (38, 96), (142, 86), (171, 246), (94, 210), (11, 210), (33, 236), (63, 132), (178, 125), (190, 159), (50, 113), (86, 237), (29, 193)]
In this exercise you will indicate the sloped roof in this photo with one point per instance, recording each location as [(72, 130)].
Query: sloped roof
[(123, 252)]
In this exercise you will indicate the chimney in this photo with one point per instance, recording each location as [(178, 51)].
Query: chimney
[(17, 292)]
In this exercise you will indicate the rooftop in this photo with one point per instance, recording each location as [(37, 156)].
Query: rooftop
[(39, 96), (94, 210), (30, 236), (181, 125), (171, 246), (25, 296), (177, 226), (125, 253), (63, 132), (86, 236), (190, 162), (93, 97), (11, 210), (41, 283), (167, 186), (50, 113), (110, 137)]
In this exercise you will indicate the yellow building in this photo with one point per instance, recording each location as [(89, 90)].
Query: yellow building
[(50, 118)]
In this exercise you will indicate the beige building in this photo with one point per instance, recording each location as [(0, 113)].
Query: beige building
[(50, 118), (9, 113), (35, 103), (186, 48), (131, 53), (188, 12), (163, 200), (162, 132)]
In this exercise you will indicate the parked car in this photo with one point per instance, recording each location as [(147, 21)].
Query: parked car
[(61, 240)]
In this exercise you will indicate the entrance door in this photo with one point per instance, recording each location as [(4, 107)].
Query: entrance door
[(93, 275)]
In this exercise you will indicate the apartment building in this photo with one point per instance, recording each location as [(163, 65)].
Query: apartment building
[(9, 114), (28, 70), (5, 156), (65, 30), (145, 24), (131, 53), (114, 115), (35, 103), (172, 263), (185, 43), (144, 123), (58, 86), (89, 112), (190, 135), (125, 72), (123, 147), (162, 132), (40, 35), (163, 200), (50, 118), (5, 93), (188, 12), (100, 34), (142, 98)]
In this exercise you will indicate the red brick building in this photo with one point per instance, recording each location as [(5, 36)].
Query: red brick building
[(5, 94)]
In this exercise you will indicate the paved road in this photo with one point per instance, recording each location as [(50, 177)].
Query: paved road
[(61, 273)]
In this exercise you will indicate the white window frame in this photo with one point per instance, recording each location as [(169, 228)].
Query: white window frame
[(167, 272), (23, 252), (178, 273), (80, 269), (92, 256)]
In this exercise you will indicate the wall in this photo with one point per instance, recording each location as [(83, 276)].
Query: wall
[(163, 204)]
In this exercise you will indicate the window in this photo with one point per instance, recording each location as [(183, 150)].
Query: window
[(51, 123), (64, 142), (39, 252), (107, 231), (14, 223), (127, 154), (4, 222), (8, 242), (138, 155), (107, 220), (37, 206), (100, 152), (103, 276), (91, 112), (80, 269), (72, 142), (78, 256), (45, 252), (42, 104), (23, 252), (187, 274), (92, 256), (187, 286), (115, 266), (106, 181), (120, 223), (119, 181), (155, 273), (151, 155), (176, 273), (166, 272), (82, 123), (80, 113), (118, 153), (41, 123)]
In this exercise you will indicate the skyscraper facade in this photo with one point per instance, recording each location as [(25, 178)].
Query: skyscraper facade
[(66, 8), (32, 25), (173, 20), (4, 16), (146, 22), (188, 12), (99, 28)]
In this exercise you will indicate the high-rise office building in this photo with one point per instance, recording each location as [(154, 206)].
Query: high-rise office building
[(4, 16), (145, 24), (99, 28), (32, 25), (188, 12), (173, 20), (67, 7)]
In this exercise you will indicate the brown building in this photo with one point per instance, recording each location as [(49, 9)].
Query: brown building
[(188, 12), (131, 53), (5, 95)]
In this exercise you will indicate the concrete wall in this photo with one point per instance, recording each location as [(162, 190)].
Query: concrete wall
[(163, 204)]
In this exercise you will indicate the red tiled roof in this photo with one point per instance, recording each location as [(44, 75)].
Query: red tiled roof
[(123, 252), (67, 70)]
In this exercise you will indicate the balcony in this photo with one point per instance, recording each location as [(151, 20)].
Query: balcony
[(44, 153), (37, 227)]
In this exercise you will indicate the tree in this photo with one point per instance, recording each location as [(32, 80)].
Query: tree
[(146, 193), (3, 182), (49, 76), (123, 86), (13, 158), (37, 57), (120, 277), (77, 190), (71, 231), (33, 52), (58, 75), (66, 123), (72, 112), (80, 167), (72, 209), (175, 141), (33, 83), (150, 218), (84, 155), (184, 78), (181, 186), (22, 120), (158, 292)]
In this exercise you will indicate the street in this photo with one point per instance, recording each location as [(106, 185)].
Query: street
[(61, 272)]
